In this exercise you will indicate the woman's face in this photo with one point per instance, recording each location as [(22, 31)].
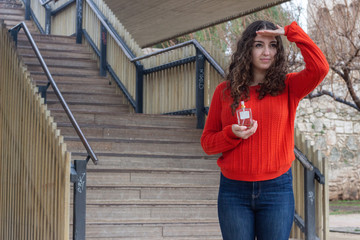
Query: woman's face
[(263, 52)]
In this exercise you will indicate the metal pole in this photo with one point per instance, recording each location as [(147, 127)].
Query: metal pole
[(79, 208), (310, 224), (47, 20), (139, 87), (27, 10), (103, 44), (200, 72), (79, 16)]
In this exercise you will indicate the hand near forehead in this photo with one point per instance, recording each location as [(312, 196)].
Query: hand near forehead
[(271, 33)]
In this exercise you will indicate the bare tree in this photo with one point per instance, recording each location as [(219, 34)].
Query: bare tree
[(334, 25)]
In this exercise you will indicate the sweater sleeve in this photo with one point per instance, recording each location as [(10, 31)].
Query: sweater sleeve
[(316, 66), (216, 139)]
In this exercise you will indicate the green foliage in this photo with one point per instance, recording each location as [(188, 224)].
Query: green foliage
[(224, 36), (344, 207)]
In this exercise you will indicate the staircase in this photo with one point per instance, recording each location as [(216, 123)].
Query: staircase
[(153, 180)]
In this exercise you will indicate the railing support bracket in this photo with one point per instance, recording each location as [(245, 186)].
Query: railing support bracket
[(78, 177), (200, 85)]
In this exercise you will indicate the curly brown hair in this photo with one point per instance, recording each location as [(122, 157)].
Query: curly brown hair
[(240, 74)]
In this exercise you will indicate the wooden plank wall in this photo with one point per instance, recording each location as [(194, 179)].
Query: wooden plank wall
[(39, 12), (64, 23), (321, 191), (34, 163)]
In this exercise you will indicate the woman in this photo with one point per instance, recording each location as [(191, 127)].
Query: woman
[(255, 195)]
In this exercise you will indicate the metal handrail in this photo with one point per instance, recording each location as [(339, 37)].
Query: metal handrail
[(45, 3), (110, 30), (197, 45), (76, 126)]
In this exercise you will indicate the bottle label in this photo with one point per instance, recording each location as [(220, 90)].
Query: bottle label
[(244, 115)]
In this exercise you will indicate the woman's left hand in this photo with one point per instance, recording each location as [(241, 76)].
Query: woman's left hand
[(272, 33)]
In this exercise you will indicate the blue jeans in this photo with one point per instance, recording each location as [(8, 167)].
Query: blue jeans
[(263, 209)]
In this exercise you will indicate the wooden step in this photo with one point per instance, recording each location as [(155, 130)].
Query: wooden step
[(129, 163), (89, 80), (167, 213), (54, 46), (10, 4), (146, 178), (175, 196), (42, 38), (11, 17), (69, 63), (85, 98), (132, 133), (11, 23), (65, 71), (132, 119), (142, 147), (205, 230), (6, 10), (80, 87), (56, 107), (28, 51)]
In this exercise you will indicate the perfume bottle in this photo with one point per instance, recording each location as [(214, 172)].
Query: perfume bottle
[(244, 116)]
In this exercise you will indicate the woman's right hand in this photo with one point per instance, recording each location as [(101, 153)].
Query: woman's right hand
[(244, 132)]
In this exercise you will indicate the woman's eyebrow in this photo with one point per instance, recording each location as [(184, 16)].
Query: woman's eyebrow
[(274, 41)]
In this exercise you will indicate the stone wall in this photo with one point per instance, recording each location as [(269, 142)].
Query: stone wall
[(334, 128)]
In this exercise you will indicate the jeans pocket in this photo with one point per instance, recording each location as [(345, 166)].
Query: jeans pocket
[(289, 174)]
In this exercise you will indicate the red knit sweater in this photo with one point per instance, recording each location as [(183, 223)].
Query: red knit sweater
[(269, 152)]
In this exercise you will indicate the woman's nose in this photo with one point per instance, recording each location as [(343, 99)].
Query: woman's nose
[(266, 51)]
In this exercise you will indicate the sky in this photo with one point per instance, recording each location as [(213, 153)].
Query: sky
[(303, 17)]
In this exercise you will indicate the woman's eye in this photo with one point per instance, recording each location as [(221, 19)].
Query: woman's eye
[(274, 45), (258, 45)]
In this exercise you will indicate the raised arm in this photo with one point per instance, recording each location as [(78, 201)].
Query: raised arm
[(316, 66)]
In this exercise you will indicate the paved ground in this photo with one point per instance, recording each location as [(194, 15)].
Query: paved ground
[(344, 227)]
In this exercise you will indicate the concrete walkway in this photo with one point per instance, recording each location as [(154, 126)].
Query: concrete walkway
[(344, 227)]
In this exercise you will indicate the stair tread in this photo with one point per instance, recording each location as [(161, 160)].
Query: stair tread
[(159, 203)]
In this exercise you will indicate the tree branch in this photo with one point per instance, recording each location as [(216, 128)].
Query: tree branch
[(338, 72), (336, 98), (350, 87)]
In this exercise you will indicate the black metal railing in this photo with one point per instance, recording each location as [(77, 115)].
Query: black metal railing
[(78, 170), (311, 173)]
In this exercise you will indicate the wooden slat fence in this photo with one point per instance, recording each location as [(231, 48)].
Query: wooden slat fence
[(174, 89), (64, 22), (34, 163), (321, 191), (39, 12)]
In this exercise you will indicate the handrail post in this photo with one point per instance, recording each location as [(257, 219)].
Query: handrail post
[(14, 33), (103, 45), (200, 74), (47, 20), (27, 10), (79, 16), (139, 87), (309, 195), (79, 205)]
